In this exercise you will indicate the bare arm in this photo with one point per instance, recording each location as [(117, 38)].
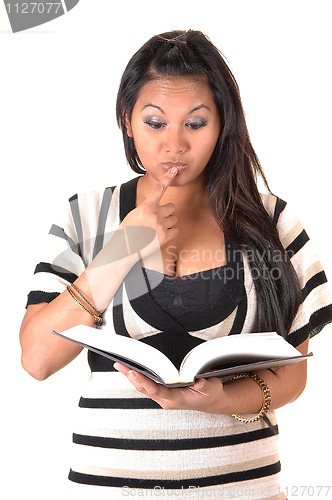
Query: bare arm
[(43, 353), (242, 396), (286, 385)]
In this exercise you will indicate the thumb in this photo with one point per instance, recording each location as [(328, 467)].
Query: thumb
[(199, 384)]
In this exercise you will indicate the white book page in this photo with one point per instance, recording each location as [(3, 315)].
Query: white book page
[(244, 347), (132, 349)]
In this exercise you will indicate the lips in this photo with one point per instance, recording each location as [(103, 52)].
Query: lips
[(179, 165)]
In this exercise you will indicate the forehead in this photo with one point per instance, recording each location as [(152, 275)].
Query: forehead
[(168, 90)]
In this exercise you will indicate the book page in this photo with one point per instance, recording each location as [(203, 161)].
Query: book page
[(236, 349), (106, 341)]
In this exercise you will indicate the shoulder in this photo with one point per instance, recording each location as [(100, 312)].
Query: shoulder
[(92, 201), (289, 226), (99, 210), (88, 213), (273, 205), (93, 197), (86, 207)]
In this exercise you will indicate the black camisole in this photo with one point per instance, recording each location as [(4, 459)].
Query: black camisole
[(181, 295)]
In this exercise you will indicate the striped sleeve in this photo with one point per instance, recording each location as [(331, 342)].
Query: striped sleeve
[(316, 309), (71, 244)]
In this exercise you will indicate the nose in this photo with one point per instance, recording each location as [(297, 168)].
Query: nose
[(175, 141)]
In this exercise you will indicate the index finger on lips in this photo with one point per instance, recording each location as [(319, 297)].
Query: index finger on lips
[(161, 186)]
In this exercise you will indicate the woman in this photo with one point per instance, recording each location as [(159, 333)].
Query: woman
[(222, 259)]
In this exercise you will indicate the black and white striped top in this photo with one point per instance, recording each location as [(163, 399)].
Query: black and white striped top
[(124, 440)]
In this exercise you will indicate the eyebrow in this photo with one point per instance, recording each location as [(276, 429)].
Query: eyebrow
[(201, 106)]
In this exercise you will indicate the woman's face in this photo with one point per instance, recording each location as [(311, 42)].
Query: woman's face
[(175, 122)]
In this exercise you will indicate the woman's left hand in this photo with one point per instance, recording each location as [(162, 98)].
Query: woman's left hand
[(205, 395)]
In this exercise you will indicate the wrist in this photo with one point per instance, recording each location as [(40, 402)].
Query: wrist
[(85, 304), (265, 394), (103, 276), (242, 396)]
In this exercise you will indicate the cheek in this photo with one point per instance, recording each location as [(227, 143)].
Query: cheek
[(146, 148), (146, 143), (206, 147)]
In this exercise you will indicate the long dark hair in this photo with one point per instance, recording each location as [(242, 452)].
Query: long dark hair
[(232, 171)]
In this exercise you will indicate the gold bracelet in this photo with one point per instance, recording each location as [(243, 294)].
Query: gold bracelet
[(98, 319), (266, 398), (98, 313)]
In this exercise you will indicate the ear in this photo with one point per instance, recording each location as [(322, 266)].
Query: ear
[(128, 126)]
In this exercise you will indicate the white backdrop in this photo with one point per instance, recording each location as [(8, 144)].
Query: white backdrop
[(58, 135)]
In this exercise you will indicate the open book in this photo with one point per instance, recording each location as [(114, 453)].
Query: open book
[(219, 357)]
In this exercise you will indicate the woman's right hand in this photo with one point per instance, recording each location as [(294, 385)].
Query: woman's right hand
[(150, 225), (44, 353)]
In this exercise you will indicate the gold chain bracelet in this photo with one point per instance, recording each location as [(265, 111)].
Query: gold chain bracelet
[(98, 318), (98, 313), (266, 397)]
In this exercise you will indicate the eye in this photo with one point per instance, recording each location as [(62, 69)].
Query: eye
[(196, 125), (155, 125)]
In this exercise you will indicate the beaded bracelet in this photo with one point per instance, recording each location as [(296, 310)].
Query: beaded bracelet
[(266, 398), (98, 318)]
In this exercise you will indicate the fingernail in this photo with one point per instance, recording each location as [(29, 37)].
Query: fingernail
[(173, 170), (132, 375)]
